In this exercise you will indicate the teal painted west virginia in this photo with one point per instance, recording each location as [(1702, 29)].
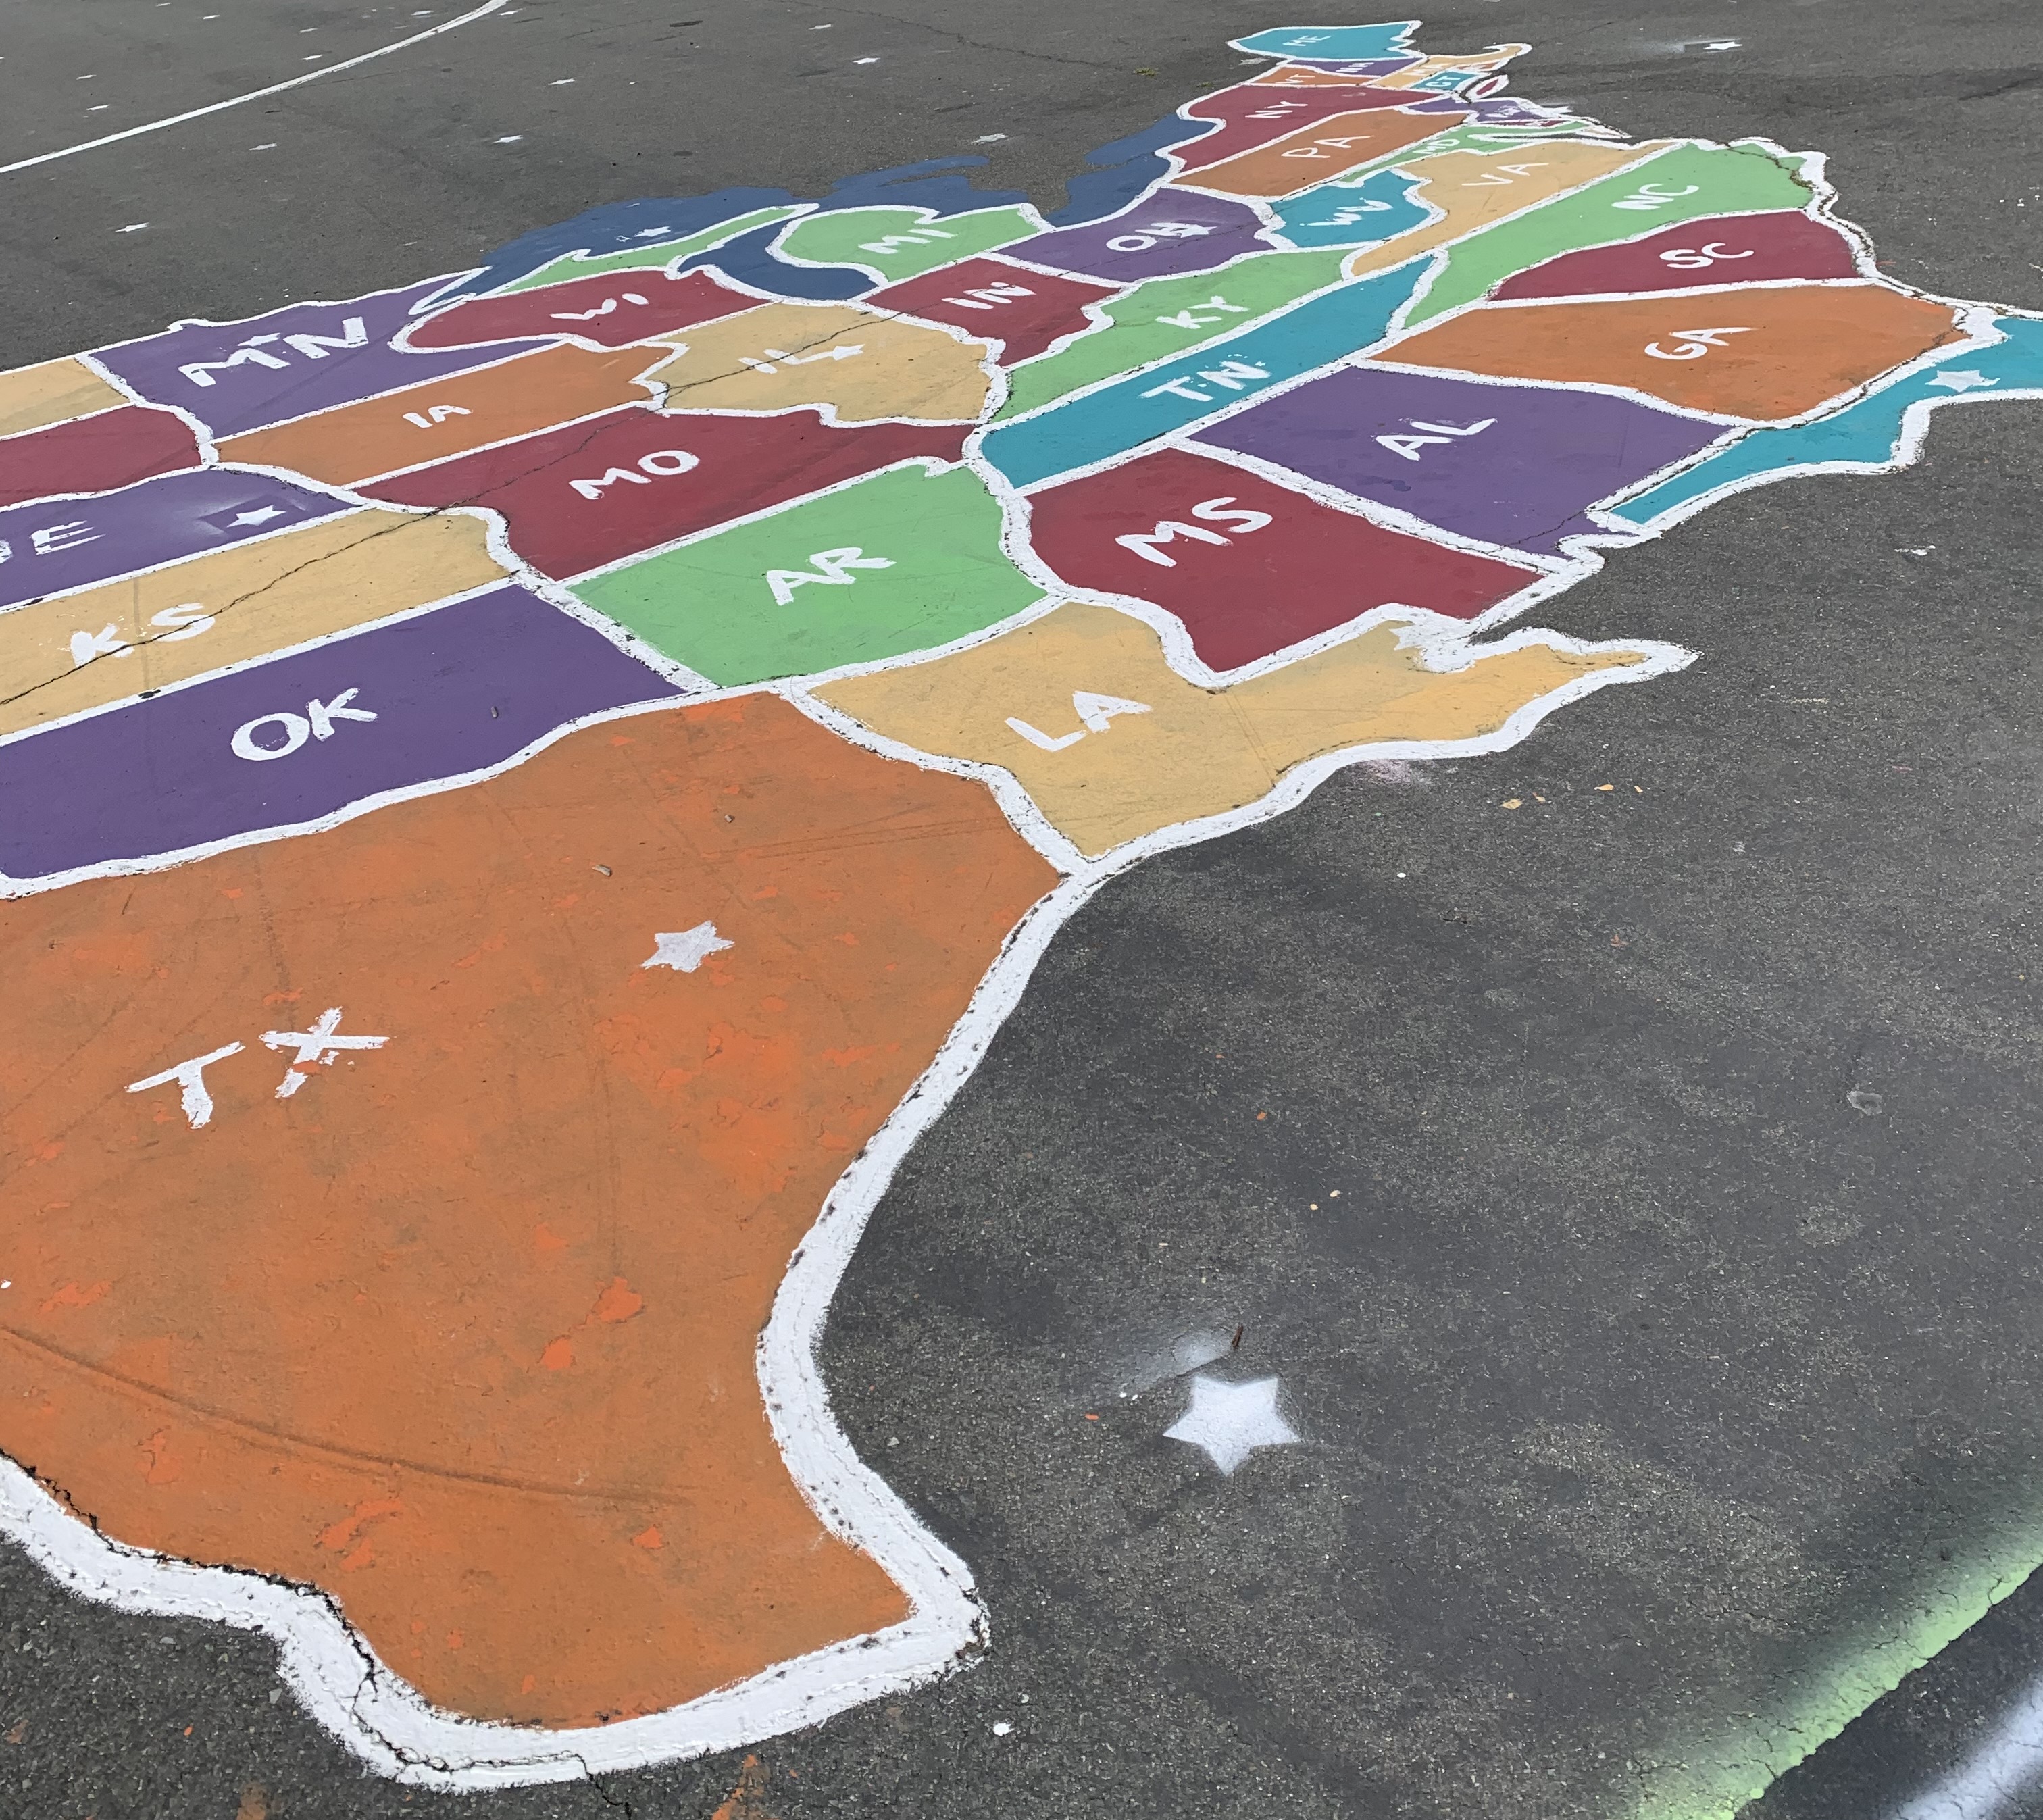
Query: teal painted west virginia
[(1331, 43), (1865, 434), (1145, 405), (1354, 214)]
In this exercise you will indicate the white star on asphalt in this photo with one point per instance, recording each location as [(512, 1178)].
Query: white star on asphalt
[(1965, 382), (1230, 1421), (262, 515), (687, 951)]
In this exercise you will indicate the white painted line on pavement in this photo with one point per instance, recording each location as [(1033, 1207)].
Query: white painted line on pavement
[(254, 95)]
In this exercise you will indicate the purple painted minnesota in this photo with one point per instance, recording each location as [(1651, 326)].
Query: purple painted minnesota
[(1168, 232), (452, 691), (240, 376), (1406, 440), (59, 544)]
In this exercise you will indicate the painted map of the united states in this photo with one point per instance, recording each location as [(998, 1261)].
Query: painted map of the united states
[(522, 795)]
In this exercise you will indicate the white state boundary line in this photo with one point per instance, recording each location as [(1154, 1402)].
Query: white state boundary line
[(375, 1712), (253, 94)]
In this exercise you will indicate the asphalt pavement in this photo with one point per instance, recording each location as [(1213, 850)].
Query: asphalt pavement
[(1666, 1362)]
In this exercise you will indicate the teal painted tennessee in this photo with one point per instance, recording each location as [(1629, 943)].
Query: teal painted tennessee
[(1135, 410), (1864, 433), (1354, 214)]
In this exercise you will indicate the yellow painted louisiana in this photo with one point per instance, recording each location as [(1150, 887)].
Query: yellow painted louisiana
[(784, 355), (82, 651), (1112, 744)]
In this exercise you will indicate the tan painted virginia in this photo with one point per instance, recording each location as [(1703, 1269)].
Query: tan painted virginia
[(261, 597), (1196, 752), (1476, 189), (32, 397), (740, 363)]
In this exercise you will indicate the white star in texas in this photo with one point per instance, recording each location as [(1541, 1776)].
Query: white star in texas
[(260, 515), (688, 950), (1965, 382), (1230, 1421)]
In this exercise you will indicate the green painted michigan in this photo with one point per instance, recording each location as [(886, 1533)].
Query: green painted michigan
[(896, 243)]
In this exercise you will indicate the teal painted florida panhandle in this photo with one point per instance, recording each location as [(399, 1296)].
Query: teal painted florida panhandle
[(1097, 425), (1864, 434)]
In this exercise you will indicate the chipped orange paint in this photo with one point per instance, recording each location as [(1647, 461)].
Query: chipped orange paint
[(743, 1802), (451, 415), (1767, 352), (323, 1338), (1314, 154)]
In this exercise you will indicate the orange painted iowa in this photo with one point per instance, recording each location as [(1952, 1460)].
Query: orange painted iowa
[(451, 415), (1758, 353), (461, 1332)]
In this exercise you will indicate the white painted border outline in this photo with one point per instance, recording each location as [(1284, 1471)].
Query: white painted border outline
[(329, 1667)]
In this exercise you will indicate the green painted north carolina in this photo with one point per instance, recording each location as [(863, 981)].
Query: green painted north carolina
[(899, 243), (711, 605), (1138, 332), (1729, 179), (653, 254)]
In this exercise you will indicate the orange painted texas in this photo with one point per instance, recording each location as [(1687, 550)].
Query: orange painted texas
[(461, 1330)]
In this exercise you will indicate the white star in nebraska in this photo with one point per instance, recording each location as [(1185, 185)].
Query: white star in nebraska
[(1230, 1421), (686, 951), (1965, 382)]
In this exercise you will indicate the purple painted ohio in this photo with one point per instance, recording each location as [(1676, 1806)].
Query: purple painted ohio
[(55, 545), (1171, 231), (1409, 440), (240, 376), (450, 691)]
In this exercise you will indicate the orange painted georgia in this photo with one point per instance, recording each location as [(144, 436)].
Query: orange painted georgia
[(461, 1331), (1760, 352)]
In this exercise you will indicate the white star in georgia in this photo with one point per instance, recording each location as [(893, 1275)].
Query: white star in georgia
[(687, 951), (1965, 382), (1230, 1421)]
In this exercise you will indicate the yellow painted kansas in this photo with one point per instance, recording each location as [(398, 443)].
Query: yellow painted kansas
[(82, 651)]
